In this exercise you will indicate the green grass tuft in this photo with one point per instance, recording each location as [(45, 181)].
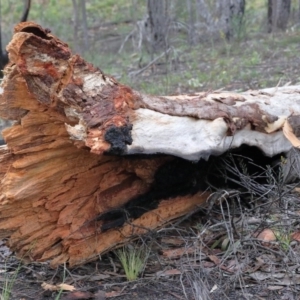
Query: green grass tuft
[(9, 283), (133, 261)]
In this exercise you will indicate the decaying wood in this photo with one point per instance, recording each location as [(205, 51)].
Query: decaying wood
[(70, 189)]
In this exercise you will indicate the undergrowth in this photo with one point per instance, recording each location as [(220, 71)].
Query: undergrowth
[(9, 282), (133, 260)]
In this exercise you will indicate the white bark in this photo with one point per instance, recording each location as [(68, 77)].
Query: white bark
[(193, 139)]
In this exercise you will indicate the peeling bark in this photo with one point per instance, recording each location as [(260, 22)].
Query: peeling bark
[(69, 187)]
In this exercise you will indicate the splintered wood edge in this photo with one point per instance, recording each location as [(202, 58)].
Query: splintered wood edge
[(290, 136)]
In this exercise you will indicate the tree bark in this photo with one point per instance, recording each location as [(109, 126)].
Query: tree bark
[(159, 19), (233, 13), (224, 17), (73, 182), (278, 14), (84, 25), (191, 33), (76, 26)]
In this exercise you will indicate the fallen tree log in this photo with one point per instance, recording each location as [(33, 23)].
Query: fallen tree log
[(90, 163)]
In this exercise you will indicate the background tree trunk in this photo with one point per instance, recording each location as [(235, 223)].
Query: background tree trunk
[(159, 20), (221, 17), (191, 22), (81, 41), (233, 13), (76, 26), (84, 25), (278, 14)]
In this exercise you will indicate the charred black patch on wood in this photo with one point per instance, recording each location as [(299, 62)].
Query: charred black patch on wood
[(119, 138), (175, 178)]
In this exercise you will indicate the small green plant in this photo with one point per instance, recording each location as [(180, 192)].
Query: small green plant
[(194, 82), (9, 283), (284, 239), (61, 290), (133, 260)]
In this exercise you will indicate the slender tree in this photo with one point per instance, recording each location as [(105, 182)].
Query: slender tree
[(76, 26), (81, 43), (84, 25), (278, 14), (159, 19), (233, 11), (224, 16), (190, 9), (3, 52)]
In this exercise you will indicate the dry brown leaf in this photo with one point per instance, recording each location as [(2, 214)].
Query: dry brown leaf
[(66, 287), (232, 264), (296, 236), (288, 280), (178, 252), (274, 287), (98, 277), (58, 287), (260, 275), (174, 241), (49, 287), (208, 264), (259, 262), (113, 294), (175, 295), (267, 235), (214, 259), (217, 262), (168, 273), (78, 295)]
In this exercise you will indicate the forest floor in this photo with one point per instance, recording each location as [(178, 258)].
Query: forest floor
[(246, 247), (256, 62)]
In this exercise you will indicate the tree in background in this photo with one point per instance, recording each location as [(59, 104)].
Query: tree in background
[(278, 14), (158, 22), (81, 43), (3, 52), (192, 36), (233, 12), (215, 17)]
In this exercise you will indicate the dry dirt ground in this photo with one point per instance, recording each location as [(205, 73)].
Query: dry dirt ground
[(183, 264)]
